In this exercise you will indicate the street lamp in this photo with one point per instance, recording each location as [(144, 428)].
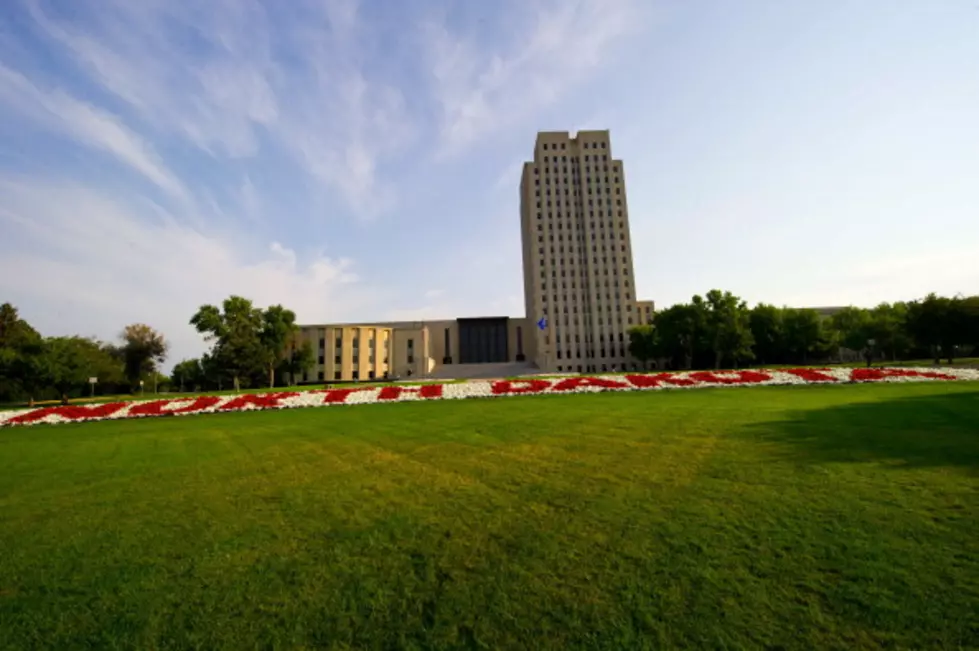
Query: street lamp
[(870, 350)]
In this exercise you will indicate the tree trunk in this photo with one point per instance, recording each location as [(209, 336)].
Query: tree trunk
[(271, 376), (237, 386), (937, 353), (30, 401)]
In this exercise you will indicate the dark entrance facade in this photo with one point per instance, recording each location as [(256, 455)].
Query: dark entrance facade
[(483, 340)]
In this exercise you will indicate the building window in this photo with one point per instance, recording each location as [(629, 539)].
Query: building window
[(336, 360), (322, 359), (356, 375), (337, 376), (320, 376), (370, 375)]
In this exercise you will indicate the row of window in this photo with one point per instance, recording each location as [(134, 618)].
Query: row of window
[(585, 308), (570, 216), (587, 338), (583, 271), (593, 368), (550, 172), (337, 359), (339, 376), (612, 322), (564, 159), (576, 180), (590, 353), (576, 183), (584, 145), (338, 344), (576, 193)]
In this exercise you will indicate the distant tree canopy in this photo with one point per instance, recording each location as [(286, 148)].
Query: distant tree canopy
[(718, 329), (248, 344), (256, 347)]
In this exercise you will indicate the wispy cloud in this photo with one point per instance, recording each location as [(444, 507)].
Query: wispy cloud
[(303, 88), (59, 112), (105, 255), (553, 47)]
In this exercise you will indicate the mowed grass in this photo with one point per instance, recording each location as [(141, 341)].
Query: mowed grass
[(817, 517)]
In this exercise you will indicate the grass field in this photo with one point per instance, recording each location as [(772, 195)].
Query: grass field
[(798, 518)]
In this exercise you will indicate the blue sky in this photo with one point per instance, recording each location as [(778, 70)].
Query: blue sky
[(360, 160)]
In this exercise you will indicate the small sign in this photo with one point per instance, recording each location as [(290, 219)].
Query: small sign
[(93, 380)]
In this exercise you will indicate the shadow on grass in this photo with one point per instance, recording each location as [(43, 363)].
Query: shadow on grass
[(919, 431)]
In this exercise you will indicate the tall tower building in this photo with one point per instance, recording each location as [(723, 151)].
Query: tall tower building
[(577, 254)]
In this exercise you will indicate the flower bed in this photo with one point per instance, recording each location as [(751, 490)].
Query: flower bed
[(474, 389)]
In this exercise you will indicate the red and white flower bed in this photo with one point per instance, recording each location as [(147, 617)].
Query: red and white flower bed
[(474, 389)]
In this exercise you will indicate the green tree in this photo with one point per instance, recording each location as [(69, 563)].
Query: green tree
[(642, 343), (767, 330), (803, 333), (679, 332), (234, 331), (852, 325), (887, 327), (278, 327), (143, 350), (21, 362), (300, 359), (928, 322), (728, 328), (188, 374), (70, 361)]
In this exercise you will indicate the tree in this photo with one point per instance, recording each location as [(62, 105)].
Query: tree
[(278, 326), (802, 333), (766, 325), (69, 362), (927, 321), (298, 360), (886, 326), (642, 343), (679, 331), (188, 373), (728, 327), (21, 348), (142, 350), (235, 333), (852, 325)]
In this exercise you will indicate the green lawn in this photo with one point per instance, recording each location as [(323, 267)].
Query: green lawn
[(839, 517)]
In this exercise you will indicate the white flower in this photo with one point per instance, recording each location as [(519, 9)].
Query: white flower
[(532, 385)]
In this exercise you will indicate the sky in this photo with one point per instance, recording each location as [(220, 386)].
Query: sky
[(360, 161)]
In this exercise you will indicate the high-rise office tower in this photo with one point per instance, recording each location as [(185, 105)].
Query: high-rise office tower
[(577, 254)]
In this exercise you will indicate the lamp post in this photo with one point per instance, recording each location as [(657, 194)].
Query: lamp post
[(140, 388)]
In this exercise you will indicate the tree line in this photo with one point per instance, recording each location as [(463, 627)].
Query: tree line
[(253, 347), (248, 349), (36, 367), (720, 330)]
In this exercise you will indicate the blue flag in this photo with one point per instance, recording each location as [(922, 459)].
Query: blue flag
[(542, 324)]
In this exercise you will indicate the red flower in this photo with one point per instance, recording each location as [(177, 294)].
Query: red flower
[(577, 382), (423, 391), (514, 387), (70, 412), (262, 400), (650, 381), (877, 374), (810, 374), (730, 377)]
